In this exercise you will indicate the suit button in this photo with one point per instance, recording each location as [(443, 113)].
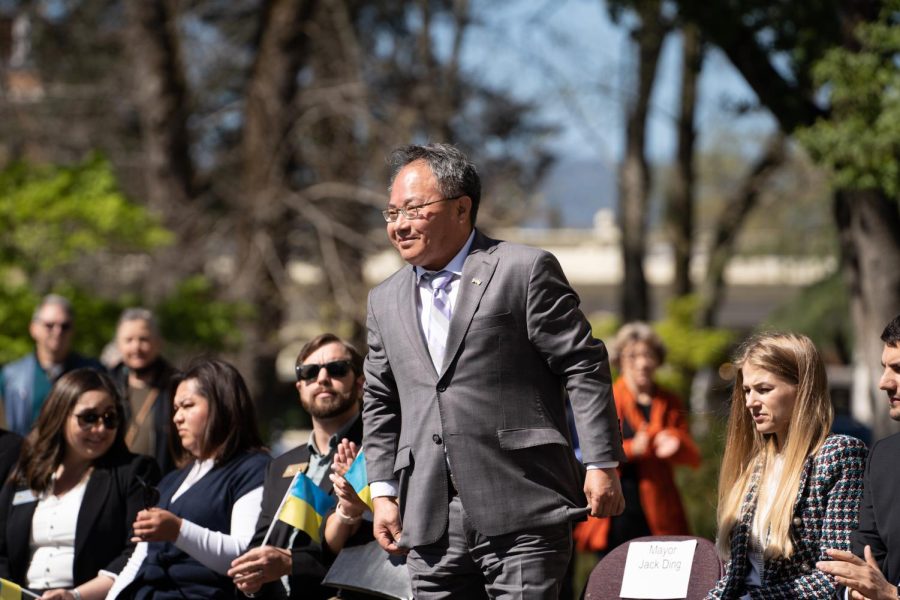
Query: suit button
[(797, 521), (442, 387), (437, 439)]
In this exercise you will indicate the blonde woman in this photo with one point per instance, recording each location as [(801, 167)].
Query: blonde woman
[(788, 489)]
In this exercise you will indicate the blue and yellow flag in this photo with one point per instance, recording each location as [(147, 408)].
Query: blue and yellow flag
[(358, 479), (305, 506), (9, 590)]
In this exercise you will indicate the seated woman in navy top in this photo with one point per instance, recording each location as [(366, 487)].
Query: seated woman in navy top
[(207, 509)]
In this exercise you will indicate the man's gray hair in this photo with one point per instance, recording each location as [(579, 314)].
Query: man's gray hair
[(140, 314), (456, 175), (57, 300)]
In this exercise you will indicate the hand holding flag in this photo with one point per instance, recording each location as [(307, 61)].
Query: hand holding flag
[(357, 477)]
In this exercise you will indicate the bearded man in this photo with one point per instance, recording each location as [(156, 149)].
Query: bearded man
[(330, 383)]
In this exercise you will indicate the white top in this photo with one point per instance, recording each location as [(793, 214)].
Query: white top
[(213, 549), (757, 535), (52, 543)]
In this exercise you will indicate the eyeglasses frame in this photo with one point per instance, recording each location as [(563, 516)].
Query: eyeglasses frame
[(414, 214)]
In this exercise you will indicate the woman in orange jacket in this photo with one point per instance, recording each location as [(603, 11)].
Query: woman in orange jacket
[(655, 436)]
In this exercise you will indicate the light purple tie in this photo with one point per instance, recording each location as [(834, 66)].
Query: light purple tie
[(439, 316)]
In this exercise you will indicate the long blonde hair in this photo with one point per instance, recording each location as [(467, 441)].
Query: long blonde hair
[(794, 359)]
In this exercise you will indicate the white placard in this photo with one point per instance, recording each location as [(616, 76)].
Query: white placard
[(659, 570)]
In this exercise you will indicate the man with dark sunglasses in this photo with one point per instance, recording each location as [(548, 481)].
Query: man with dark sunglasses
[(25, 383), (329, 382)]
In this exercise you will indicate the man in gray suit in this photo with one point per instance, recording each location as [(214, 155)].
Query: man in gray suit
[(473, 349)]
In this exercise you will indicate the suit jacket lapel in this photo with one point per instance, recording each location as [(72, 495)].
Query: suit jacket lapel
[(409, 315), (93, 503), (476, 275)]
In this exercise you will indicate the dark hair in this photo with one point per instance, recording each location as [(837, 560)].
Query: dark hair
[(356, 359), (891, 333), (231, 426), (456, 175), (44, 448)]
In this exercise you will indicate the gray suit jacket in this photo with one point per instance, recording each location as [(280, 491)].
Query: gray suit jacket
[(518, 345)]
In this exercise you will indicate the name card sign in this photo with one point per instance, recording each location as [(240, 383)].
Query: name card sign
[(658, 570)]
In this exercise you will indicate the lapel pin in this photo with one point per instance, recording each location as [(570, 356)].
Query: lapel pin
[(476, 281)]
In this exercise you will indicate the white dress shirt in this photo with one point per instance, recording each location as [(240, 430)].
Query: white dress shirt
[(52, 541)]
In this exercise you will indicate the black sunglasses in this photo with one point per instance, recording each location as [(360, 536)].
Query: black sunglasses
[(88, 419), (336, 368)]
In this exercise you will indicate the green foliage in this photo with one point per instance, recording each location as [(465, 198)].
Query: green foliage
[(822, 312), (699, 487), (54, 216), (16, 305), (51, 215), (193, 319), (861, 141), (689, 348)]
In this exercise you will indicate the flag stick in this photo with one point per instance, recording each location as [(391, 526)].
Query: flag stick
[(280, 506)]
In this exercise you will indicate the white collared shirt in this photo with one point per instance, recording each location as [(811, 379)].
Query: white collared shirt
[(52, 541)]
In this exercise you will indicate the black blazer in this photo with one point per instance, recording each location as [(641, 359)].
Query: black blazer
[(10, 444), (111, 501), (879, 519), (309, 561)]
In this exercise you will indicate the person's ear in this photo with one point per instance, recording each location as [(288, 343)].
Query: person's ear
[(464, 207), (33, 329)]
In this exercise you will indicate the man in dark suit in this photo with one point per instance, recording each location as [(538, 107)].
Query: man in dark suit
[(872, 570), (329, 381), (474, 347)]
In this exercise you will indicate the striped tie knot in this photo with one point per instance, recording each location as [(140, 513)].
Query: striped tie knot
[(438, 281)]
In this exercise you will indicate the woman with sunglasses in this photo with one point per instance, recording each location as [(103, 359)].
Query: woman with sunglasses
[(207, 510), (67, 509)]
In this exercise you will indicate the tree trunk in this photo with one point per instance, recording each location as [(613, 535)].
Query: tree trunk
[(261, 221), (869, 228), (161, 97), (729, 225), (634, 176), (681, 201)]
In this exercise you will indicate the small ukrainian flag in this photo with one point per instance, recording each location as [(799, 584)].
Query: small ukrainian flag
[(9, 590), (305, 506), (358, 479)]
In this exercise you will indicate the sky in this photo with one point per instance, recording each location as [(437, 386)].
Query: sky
[(579, 65)]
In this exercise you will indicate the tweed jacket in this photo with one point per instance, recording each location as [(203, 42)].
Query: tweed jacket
[(825, 512)]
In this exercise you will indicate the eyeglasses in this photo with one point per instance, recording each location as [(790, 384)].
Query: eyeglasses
[(336, 368), (411, 212), (88, 419), (63, 326)]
